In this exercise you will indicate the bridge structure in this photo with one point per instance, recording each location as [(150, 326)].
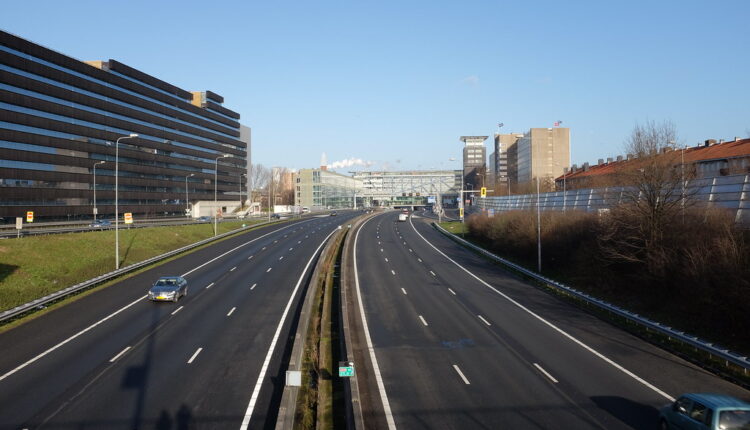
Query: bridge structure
[(409, 188)]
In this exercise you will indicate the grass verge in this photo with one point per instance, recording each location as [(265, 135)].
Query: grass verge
[(33, 267)]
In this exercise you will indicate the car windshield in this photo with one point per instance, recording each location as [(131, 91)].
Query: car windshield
[(734, 420), (166, 282)]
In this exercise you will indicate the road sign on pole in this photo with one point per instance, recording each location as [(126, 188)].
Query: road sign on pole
[(461, 213), (128, 218), (29, 216), (346, 369), (483, 192)]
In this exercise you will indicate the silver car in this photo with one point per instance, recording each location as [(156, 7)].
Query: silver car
[(168, 288)]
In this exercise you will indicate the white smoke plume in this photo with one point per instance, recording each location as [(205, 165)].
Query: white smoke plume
[(349, 163)]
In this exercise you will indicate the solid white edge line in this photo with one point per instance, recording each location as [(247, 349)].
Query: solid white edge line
[(452, 292), (195, 354), (552, 326), (423, 321), (113, 359), (484, 320), (267, 361), (378, 377), (461, 374), (231, 311), (177, 310), (403, 291), (551, 378), (37, 357)]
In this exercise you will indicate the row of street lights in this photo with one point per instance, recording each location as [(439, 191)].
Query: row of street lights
[(117, 190)]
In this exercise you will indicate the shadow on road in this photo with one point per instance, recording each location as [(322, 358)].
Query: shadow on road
[(633, 414)]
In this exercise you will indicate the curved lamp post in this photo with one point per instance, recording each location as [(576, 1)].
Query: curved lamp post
[(117, 207)]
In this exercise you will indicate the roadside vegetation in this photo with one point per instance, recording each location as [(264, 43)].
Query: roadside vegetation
[(659, 253), (35, 266)]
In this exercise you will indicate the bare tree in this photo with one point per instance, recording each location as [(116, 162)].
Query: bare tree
[(654, 199), (259, 177)]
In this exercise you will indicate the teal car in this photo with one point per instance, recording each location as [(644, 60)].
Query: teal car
[(703, 411)]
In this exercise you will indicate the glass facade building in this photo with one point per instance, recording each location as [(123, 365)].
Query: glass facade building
[(319, 189), (60, 116)]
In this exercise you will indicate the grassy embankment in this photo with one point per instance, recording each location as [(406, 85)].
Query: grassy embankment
[(33, 267)]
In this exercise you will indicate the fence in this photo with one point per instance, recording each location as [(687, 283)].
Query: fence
[(730, 192)]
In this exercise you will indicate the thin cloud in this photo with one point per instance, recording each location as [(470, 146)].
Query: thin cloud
[(472, 80)]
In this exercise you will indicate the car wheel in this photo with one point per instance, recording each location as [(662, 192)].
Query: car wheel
[(663, 425), (176, 297), (185, 293)]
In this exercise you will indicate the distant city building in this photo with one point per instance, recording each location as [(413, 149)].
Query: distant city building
[(708, 160), (475, 161), (502, 144), (324, 189), (60, 117), (542, 153), (409, 187)]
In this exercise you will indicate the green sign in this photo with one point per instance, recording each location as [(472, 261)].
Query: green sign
[(346, 369)]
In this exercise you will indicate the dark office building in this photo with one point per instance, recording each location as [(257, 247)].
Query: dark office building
[(59, 117)]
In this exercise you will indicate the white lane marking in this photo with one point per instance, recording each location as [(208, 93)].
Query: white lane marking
[(432, 273), (69, 339), (113, 359), (254, 285), (269, 269), (233, 269), (195, 354), (291, 249), (419, 259), (461, 374), (552, 326), (551, 378), (209, 285), (381, 249), (484, 320), (275, 241), (250, 257), (410, 250), (234, 249), (281, 258), (267, 361), (404, 243), (263, 249), (423, 321), (299, 241), (231, 311), (386, 259), (177, 310), (393, 271), (403, 291), (452, 292), (378, 377), (378, 242)]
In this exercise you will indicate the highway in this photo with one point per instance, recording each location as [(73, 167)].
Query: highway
[(112, 359), (456, 342)]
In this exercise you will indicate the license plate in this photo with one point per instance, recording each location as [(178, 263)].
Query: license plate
[(161, 298)]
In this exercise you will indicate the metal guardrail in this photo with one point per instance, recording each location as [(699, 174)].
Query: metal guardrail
[(288, 404), (19, 310), (708, 347)]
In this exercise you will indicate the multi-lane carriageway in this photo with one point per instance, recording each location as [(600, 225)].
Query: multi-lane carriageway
[(451, 341), (442, 340), (112, 359)]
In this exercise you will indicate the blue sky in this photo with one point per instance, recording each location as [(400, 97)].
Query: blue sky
[(397, 83)]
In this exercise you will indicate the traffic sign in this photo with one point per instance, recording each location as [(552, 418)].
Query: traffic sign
[(29, 216), (128, 218), (461, 213), (346, 369), (483, 192), (19, 223)]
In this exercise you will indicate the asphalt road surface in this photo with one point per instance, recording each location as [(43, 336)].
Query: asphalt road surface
[(459, 343), (114, 360)]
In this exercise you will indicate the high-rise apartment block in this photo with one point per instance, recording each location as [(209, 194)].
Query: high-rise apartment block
[(542, 153), (475, 160)]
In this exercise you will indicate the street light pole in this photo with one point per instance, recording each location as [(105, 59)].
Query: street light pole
[(117, 200), (538, 229), (241, 205), (96, 164), (187, 197), (216, 178)]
